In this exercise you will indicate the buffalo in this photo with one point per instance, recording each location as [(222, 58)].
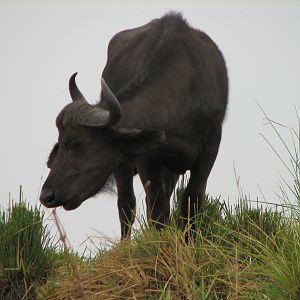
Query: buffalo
[(163, 102)]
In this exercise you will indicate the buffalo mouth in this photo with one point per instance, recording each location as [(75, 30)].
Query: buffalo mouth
[(67, 205), (49, 199), (71, 204)]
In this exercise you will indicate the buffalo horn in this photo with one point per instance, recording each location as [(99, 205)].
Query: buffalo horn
[(75, 93), (112, 102), (96, 116)]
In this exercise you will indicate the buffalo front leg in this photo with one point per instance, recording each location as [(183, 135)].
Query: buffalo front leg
[(126, 198), (194, 194), (159, 185)]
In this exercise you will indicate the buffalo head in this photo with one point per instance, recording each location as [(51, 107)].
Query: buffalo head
[(91, 146)]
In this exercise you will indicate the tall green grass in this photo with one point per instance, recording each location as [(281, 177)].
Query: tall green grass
[(27, 250)]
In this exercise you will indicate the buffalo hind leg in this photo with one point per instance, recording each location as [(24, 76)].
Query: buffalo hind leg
[(159, 185), (194, 194), (126, 198)]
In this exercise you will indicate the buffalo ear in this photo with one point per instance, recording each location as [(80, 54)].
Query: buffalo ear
[(136, 142)]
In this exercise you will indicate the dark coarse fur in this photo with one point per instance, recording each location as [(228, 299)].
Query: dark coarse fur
[(163, 35)]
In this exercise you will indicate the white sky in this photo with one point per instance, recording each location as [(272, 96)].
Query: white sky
[(44, 42)]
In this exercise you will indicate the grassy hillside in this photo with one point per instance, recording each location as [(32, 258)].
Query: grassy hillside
[(241, 253)]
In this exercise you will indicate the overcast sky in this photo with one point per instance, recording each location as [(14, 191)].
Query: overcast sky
[(44, 42)]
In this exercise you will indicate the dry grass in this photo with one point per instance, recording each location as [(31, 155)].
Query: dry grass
[(159, 266)]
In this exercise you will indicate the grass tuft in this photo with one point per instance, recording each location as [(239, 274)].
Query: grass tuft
[(27, 250)]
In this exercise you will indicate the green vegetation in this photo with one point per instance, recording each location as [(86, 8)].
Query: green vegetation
[(242, 251), (27, 251)]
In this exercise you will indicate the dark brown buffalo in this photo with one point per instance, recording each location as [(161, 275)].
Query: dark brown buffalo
[(161, 113)]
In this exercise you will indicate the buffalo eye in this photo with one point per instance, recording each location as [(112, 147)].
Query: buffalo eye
[(73, 146)]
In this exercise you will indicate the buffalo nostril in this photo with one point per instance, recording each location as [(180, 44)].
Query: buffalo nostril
[(47, 196)]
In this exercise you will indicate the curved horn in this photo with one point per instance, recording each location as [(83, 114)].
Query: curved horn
[(96, 116), (112, 102), (75, 93)]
